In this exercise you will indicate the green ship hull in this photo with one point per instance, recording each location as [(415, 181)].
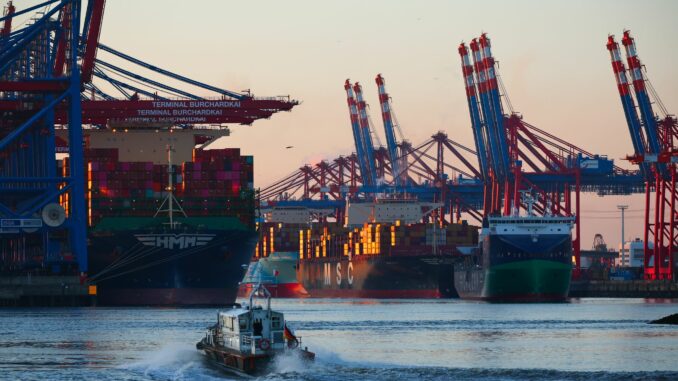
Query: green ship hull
[(524, 281), (526, 260), (531, 280)]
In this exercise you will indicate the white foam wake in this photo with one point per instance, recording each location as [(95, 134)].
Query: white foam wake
[(174, 361)]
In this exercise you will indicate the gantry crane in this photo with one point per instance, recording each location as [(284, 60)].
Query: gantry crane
[(366, 133), (39, 71), (512, 141), (358, 137), (656, 152), (51, 74), (399, 178)]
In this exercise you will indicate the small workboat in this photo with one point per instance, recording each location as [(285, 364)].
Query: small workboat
[(247, 338)]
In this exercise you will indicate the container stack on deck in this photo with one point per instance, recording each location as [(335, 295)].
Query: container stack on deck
[(323, 240), (214, 184), (275, 236)]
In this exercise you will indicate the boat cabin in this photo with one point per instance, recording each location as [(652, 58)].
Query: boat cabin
[(249, 329)]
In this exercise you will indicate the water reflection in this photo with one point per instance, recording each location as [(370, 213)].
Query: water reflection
[(355, 339)]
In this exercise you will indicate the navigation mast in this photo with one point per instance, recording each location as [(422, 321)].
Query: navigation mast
[(170, 199)]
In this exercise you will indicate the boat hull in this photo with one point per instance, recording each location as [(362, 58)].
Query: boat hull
[(372, 276), (517, 268), (138, 267), (277, 290), (277, 272), (526, 281), (248, 364)]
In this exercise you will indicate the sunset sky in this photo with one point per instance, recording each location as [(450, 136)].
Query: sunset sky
[(551, 54)]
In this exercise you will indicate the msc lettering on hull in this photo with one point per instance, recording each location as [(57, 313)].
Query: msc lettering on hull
[(174, 241), (327, 273)]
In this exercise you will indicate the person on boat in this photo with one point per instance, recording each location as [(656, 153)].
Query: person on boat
[(258, 327)]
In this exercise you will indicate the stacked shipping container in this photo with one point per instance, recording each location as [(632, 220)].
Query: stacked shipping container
[(331, 240), (217, 183)]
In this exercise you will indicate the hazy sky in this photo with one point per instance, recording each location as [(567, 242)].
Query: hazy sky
[(551, 54)]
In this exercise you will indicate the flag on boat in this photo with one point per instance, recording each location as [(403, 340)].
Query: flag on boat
[(290, 337)]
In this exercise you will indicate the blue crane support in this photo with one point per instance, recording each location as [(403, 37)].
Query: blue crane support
[(487, 113), (170, 74), (121, 86), (357, 135), (366, 133), (97, 91), (391, 142), (628, 103), (147, 80), (26, 10), (29, 181), (479, 135), (646, 112), (493, 91), (78, 232)]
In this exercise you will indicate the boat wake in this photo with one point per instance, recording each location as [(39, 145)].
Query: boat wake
[(174, 361), (180, 361), (291, 363)]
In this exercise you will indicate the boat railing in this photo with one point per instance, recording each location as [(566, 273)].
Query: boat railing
[(531, 220), (247, 339), (251, 341)]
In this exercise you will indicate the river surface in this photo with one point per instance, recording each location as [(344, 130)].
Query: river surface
[(602, 339)]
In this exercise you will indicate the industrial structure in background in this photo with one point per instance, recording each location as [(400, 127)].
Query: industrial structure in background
[(509, 156), (41, 73), (655, 144), (61, 93)]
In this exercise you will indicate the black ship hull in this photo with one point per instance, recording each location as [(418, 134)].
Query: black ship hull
[(376, 276), (190, 268)]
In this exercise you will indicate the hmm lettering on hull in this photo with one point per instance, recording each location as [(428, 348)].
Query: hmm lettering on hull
[(175, 241)]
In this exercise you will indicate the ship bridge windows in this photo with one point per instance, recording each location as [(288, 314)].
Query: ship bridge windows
[(227, 322), (276, 322), (243, 323)]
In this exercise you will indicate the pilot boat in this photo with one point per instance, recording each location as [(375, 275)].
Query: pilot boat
[(246, 338)]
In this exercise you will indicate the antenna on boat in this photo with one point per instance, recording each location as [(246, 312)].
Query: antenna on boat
[(260, 288), (170, 199)]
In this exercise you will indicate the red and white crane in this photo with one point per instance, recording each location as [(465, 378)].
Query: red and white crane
[(657, 154)]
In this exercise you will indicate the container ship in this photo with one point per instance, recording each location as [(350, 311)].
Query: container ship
[(383, 250), (520, 258), (161, 233), (277, 272)]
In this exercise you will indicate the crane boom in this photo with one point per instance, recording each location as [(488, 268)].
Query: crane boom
[(486, 107), (366, 133), (627, 101), (170, 74), (479, 133), (384, 100), (93, 23), (492, 89), (643, 98), (357, 135)]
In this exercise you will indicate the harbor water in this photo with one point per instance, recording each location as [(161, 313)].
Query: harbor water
[(603, 339)]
